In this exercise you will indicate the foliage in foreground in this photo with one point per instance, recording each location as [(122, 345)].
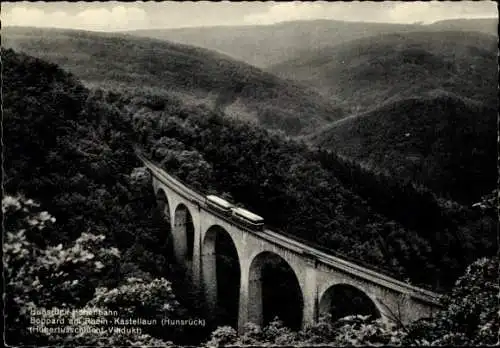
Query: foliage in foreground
[(352, 330), (40, 279), (472, 316)]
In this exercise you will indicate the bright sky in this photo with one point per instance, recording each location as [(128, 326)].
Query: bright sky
[(112, 15)]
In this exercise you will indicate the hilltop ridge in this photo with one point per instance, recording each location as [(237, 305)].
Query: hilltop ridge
[(441, 141), (367, 72), (267, 45), (207, 77)]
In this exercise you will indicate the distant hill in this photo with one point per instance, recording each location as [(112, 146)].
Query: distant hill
[(266, 45), (109, 60), (483, 25), (367, 72), (444, 142)]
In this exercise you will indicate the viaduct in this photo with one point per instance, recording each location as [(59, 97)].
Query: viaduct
[(318, 275)]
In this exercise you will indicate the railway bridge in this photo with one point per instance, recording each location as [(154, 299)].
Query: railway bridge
[(319, 280)]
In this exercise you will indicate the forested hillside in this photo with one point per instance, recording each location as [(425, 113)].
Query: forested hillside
[(72, 153), (267, 45), (364, 73), (71, 149), (444, 142), (196, 74)]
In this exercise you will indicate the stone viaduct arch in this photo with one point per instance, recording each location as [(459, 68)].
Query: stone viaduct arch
[(272, 283), (317, 279), (183, 234), (221, 273), (162, 202), (165, 213), (341, 300)]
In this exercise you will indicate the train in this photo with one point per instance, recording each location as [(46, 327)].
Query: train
[(239, 215), (248, 218), (219, 204)]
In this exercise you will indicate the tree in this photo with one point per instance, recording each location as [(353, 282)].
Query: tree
[(43, 282), (472, 316)]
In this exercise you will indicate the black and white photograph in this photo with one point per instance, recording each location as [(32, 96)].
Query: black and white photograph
[(209, 174)]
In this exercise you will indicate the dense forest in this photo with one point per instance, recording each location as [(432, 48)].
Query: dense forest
[(443, 142), (103, 241)]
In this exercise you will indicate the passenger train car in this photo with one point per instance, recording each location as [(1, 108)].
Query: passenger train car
[(248, 219), (219, 204)]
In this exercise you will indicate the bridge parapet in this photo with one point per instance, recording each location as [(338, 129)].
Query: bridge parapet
[(171, 182)]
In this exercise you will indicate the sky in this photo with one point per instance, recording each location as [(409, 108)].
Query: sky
[(116, 16)]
